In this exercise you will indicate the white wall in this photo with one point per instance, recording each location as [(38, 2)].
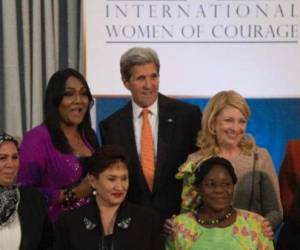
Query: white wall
[(204, 45)]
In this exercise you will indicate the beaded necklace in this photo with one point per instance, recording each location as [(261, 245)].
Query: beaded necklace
[(215, 221)]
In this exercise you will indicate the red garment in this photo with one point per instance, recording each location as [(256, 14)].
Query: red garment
[(289, 177)]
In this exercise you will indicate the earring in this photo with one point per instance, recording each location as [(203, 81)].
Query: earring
[(94, 192)]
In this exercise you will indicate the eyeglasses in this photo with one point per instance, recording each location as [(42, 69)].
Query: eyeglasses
[(6, 137)]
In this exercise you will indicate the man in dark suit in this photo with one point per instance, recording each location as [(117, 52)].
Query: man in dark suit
[(174, 126)]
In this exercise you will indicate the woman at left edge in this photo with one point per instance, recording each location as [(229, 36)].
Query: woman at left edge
[(52, 154), (24, 223)]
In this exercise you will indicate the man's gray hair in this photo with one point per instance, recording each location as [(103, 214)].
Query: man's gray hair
[(137, 56)]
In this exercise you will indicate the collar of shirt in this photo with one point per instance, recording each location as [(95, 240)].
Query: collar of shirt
[(137, 110)]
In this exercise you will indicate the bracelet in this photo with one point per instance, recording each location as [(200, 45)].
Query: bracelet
[(68, 197)]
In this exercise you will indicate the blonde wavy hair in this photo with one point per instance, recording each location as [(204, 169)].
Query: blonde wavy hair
[(206, 140)]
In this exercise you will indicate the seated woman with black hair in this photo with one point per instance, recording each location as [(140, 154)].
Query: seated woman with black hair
[(109, 222), (215, 224)]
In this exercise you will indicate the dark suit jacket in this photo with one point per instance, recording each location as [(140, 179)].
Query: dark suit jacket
[(178, 125), (289, 177), (289, 237), (36, 228), (82, 229)]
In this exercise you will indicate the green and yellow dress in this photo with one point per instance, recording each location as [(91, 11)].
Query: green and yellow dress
[(244, 234)]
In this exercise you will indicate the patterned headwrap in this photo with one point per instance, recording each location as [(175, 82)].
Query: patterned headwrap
[(6, 137), (9, 195), (190, 198)]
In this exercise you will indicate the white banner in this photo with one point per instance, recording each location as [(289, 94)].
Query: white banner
[(204, 46)]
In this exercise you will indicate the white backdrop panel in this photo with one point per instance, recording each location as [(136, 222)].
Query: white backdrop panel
[(204, 46)]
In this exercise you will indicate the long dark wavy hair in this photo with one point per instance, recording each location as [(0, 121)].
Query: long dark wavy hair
[(54, 94)]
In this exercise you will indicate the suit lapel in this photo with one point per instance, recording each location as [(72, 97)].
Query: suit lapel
[(25, 221), (122, 226), (166, 124), (127, 137), (91, 221), (126, 131)]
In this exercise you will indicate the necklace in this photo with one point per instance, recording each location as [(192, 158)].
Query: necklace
[(215, 221)]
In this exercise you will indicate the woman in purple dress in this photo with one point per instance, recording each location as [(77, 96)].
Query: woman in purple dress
[(52, 154)]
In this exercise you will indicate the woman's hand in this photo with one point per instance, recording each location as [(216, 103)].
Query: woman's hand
[(169, 226), (84, 189), (267, 229)]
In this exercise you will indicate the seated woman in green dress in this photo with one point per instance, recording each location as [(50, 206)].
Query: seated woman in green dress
[(215, 224)]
